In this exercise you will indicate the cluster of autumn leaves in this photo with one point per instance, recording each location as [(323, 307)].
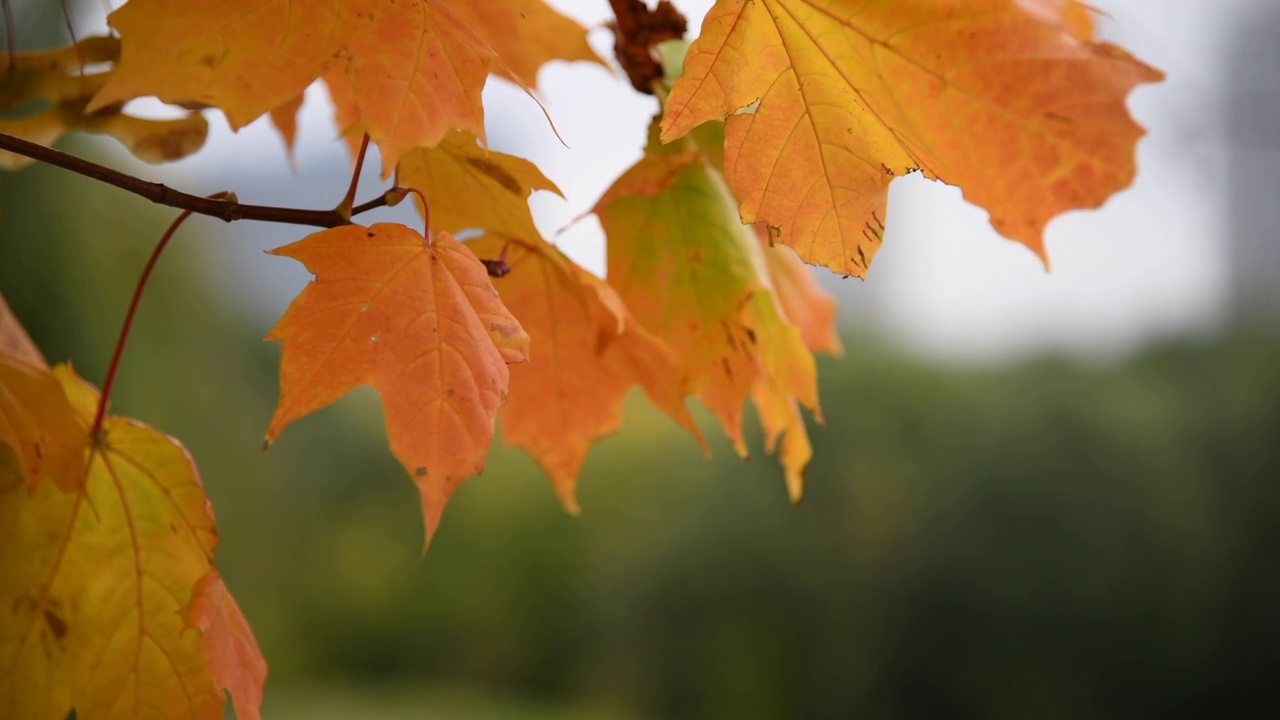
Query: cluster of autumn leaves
[(774, 148)]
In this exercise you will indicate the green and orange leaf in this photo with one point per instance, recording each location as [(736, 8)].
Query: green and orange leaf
[(825, 102), (420, 322), (694, 275)]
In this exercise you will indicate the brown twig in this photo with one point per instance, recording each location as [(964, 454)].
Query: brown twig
[(226, 209)]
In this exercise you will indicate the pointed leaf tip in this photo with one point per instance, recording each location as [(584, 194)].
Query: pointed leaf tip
[(422, 324)]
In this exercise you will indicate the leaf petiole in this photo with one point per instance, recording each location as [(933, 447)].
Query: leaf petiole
[(426, 211), (344, 207)]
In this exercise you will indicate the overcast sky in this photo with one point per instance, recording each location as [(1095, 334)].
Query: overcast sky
[(1151, 263)]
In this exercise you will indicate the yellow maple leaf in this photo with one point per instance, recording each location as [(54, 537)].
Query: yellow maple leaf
[(50, 91), (95, 584), (474, 188)]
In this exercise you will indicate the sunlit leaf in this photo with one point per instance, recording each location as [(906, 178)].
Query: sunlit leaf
[(826, 101)]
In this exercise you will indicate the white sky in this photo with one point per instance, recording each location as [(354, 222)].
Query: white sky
[(1151, 263)]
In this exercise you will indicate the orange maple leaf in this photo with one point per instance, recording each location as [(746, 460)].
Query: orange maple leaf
[(526, 34), (587, 352), (235, 662), (95, 583), (420, 322), (36, 421), (825, 102), (414, 69)]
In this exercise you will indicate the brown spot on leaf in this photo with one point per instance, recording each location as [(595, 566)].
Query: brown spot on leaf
[(56, 624), (497, 174)]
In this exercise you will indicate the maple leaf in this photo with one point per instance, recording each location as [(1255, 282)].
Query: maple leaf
[(474, 188), (526, 34), (784, 433), (54, 74), (825, 102), (586, 354), (787, 380), (54, 82), (38, 424), (414, 69), (421, 323), (693, 274), (285, 119), (804, 304), (235, 662), (95, 583), (36, 421)]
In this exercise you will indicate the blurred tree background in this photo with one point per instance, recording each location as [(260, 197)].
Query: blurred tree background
[(1050, 539)]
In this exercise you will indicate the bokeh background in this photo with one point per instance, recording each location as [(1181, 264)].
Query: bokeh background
[(1036, 496)]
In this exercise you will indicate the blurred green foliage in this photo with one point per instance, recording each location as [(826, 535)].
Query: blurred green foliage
[(1050, 540)]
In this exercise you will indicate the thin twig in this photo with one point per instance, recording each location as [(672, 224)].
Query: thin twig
[(227, 209)]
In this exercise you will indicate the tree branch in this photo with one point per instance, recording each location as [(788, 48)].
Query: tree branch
[(223, 209)]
